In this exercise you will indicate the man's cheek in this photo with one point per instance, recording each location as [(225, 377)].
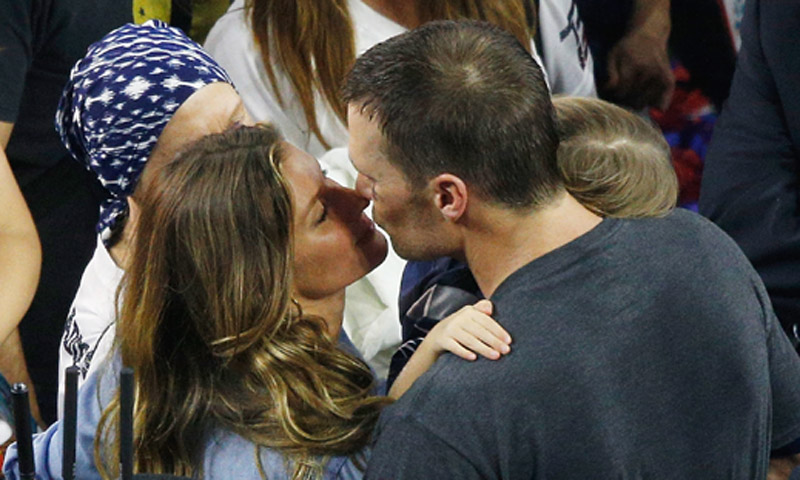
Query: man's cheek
[(379, 218)]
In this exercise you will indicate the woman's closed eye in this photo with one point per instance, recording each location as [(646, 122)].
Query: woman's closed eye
[(324, 214), (328, 183)]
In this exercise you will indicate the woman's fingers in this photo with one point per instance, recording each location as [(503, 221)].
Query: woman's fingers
[(484, 326)]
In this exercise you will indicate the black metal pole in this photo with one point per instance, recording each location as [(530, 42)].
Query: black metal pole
[(126, 424), (22, 424), (70, 422)]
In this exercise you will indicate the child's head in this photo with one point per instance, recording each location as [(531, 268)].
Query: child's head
[(612, 161)]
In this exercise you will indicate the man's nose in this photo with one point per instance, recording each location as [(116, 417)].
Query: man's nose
[(363, 187)]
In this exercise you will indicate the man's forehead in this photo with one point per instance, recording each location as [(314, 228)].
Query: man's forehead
[(366, 140), (363, 119), (370, 151)]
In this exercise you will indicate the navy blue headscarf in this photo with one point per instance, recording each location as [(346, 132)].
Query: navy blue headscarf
[(120, 97)]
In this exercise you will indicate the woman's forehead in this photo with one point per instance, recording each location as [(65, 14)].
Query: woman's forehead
[(304, 176), (299, 163)]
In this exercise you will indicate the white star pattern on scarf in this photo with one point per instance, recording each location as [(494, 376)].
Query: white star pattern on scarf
[(120, 97), (137, 88)]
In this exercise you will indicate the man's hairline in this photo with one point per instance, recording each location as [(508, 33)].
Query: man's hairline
[(365, 103), (363, 106), (415, 185)]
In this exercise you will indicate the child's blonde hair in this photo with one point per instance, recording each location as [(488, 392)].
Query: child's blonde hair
[(613, 161)]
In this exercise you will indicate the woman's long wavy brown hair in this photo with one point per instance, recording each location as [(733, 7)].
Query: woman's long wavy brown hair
[(207, 323), (314, 43)]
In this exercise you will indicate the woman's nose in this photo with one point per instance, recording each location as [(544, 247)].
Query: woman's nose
[(360, 202), (363, 187), (349, 202)]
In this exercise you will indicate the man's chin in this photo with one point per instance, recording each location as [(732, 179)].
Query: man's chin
[(419, 253)]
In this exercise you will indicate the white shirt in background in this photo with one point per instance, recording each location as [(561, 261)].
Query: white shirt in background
[(89, 330)]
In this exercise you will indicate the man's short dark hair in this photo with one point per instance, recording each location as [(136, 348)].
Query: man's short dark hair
[(464, 98)]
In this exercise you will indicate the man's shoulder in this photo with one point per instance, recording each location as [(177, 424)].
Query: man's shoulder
[(681, 256), (444, 379), (451, 384), (684, 230), (682, 246), (457, 421), (678, 218), (621, 246)]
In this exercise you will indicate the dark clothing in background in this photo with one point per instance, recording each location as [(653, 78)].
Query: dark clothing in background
[(643, 349), (750, 184), (700, 39), (40, 40), (605, 22), (429, 292)]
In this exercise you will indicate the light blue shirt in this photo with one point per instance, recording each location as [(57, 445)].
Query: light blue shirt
[(227, 455)]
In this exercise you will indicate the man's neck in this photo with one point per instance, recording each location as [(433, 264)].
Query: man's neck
[(403, 12), (509, 240), (330, 309)]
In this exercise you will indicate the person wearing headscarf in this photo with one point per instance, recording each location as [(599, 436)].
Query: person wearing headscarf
[(136, 100), (40, 41), (138, 96)]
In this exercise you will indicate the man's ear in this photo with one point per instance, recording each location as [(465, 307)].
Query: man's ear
[(450, 195)]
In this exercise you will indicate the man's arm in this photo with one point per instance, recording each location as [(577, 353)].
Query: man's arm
[(639, 73), (20, 261), (781, 468)]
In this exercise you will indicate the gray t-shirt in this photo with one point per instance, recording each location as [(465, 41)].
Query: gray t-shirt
[(643, 349)]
